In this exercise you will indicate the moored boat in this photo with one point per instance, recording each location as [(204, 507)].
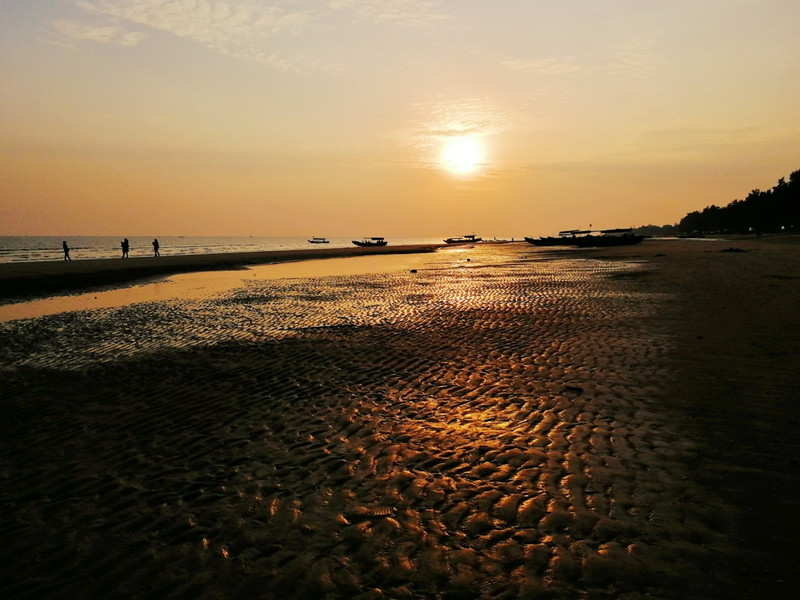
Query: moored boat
[(370, 241), (586, 238), (547, 241), (464, 239), (564, 238), (609, 237), (318, 240)]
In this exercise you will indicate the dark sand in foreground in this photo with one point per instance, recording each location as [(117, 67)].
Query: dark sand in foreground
[(616, 423)]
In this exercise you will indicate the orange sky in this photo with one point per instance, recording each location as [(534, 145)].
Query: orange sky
[(333, 117)]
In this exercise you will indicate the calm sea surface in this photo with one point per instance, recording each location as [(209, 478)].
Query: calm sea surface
[(32, 248)]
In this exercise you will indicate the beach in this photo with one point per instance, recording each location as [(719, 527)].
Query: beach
[(500, 422), (22, 280)]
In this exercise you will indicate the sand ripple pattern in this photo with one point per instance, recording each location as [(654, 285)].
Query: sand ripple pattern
[(480, 429)]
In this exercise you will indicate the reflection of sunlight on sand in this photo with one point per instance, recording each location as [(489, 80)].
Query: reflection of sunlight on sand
[(512, 429), (211, 283)]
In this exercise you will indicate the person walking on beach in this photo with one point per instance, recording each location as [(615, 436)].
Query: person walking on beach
[(66, 250), (155, 248), (125, 246)]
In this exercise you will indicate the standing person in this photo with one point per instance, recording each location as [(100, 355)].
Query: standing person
[(155, 248), (66, 250), (125, 247)]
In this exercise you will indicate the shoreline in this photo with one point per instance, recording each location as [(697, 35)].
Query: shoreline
[(197, 285), (30, 280)]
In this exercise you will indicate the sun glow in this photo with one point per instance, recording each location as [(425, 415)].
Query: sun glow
[(462, 155)]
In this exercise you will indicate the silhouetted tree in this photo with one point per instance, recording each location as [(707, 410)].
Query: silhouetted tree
[(772, 210), (657, 230)]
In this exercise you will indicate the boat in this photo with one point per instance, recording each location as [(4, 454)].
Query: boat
[(564, 238), (370, 241), (547, 241), (318, 240), (464, 239), (586, 238), (609, 237)]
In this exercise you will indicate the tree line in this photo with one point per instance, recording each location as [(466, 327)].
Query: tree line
[(769, 211)]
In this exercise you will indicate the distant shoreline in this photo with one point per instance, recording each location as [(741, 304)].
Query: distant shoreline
[(22, 281)]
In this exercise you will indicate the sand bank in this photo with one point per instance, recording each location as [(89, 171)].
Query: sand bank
[(523, 424), (29, 279), (206, 284)]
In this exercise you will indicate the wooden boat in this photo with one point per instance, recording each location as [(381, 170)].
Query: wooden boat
[(564, 238), (464, 239), (370, 241), (549, 241), (609, 237), (585, 238), (318, 240)]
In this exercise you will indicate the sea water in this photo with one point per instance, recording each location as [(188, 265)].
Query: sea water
[(40, 248), (206, 284)]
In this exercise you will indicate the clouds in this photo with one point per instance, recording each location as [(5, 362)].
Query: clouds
[(244, 29), (398, 11), (705, 140), (471, 116), (195, 18), (236, 29), (313, 35), (222, 24), (545, 66), (202, 20), (101, 34), (637, 59)]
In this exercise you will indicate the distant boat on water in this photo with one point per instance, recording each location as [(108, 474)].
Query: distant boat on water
[(586, 238), (318, 240), (370, 241), (464, 239)]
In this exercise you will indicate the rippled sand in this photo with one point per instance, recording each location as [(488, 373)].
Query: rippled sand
[(491, 426)]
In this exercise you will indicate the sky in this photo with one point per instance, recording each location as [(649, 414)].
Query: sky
[(502, 118)]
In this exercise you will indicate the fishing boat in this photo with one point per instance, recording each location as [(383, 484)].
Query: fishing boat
[(464, 239), (318, 240), (370, 241), (609, 237), (564, 238), (588, 238)]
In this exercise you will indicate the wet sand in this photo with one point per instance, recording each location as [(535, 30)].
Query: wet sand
[(615, 423), (204, 284), (22, 280)]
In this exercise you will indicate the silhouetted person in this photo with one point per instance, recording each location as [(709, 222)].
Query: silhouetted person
[(66, 250), (155, 248), (125, 247)]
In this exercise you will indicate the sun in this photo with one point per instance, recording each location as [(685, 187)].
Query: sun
[(462, 155)]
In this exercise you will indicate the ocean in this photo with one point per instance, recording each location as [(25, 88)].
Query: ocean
[(41, 248)]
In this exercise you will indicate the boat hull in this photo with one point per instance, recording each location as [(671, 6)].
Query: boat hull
[(550, 241), (468, 239), (603, 241), (583, 238), (366, 244)]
